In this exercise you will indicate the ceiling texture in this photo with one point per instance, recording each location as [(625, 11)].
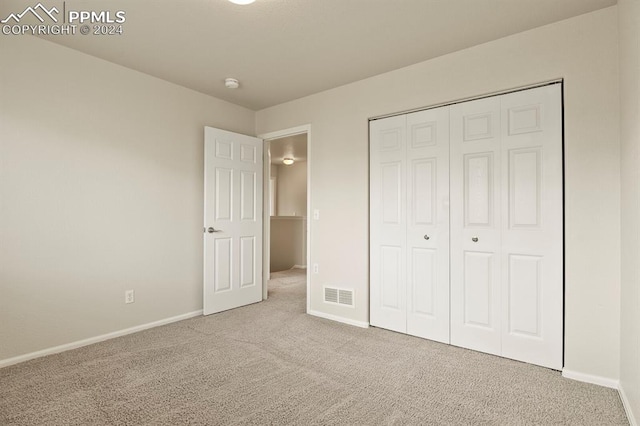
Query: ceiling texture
[(282, 50)]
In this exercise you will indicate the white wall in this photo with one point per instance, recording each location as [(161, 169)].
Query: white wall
[(288, 245), (583, 51), (101, 183), (629, 27), (287, 235), (292, 189)]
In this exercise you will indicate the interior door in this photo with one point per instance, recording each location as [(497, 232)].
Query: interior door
[(507, 225), (532, 226), (428, 224), (388, 223), (409, 220), (232, 220), (476, 225)]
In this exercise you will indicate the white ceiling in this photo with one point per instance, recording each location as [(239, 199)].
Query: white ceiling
[(281, 50), (289, 147)]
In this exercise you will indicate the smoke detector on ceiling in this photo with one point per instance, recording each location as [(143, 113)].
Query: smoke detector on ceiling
[(231, 83)]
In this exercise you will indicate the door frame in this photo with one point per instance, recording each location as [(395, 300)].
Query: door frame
[(266, 229)]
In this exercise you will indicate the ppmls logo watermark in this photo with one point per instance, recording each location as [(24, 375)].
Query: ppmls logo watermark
[(41, 20)]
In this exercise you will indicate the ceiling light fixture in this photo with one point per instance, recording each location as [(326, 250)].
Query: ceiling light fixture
[(287, 161), (242, 2), (231, 83)]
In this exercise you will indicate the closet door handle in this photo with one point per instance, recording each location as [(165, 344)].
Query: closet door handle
[(211, 230), (426, 237), (474, 239)]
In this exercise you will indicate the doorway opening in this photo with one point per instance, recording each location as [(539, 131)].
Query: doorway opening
[(286, 207)]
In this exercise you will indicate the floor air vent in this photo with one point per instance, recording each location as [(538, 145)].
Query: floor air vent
[(338, 296)]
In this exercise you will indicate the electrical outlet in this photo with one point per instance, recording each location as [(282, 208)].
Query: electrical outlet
[(315, 268), (129, 296), (316, 214)]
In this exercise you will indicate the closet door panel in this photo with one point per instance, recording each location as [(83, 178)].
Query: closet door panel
[(532, 243), (476, 225), (388, 223), (428, 224)]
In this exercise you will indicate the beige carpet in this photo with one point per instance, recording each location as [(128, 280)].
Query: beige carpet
[(270, 363)]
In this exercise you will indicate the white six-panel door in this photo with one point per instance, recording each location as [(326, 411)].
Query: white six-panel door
[(506, 225), (532, 226), (428, 224), (388, 223), (410, 224), (232, 220), (501, 160), (475, 225)]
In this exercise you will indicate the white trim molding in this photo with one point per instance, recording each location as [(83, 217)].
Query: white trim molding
[(292, 131), (91, 340), (336, 318), (627, 407), (588, 378)]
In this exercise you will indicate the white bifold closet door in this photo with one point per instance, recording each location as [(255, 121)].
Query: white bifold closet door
[(486, 272), (409, 222), (507, 225)]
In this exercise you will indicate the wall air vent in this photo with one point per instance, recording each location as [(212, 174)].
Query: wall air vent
[(339, 296)]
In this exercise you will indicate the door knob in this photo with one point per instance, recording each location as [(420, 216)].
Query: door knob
[(474, 239), (211, 230), (426, 237)]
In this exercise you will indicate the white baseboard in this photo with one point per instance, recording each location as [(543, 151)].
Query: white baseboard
[(360, 324), (627, 407), (80, 343), (299, 267), (588, 378)]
